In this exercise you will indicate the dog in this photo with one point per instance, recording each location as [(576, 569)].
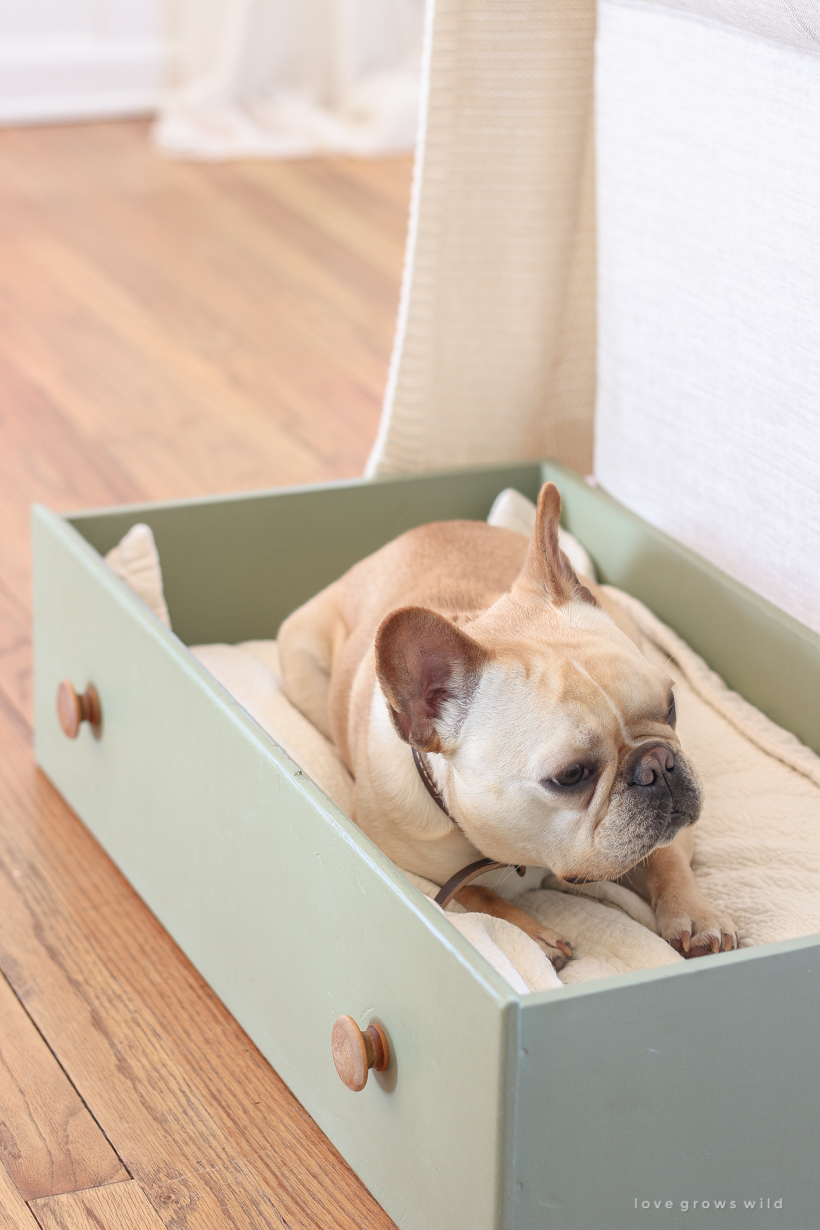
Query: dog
[(489, 703)]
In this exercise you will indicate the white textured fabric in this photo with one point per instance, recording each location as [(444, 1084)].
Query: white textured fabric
[(509, 950), (293, 78), (708, 418), (757, 848), (250, 672), (135, 561), (794, 22), (494, 357)]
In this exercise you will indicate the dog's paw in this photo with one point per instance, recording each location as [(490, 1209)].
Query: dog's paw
[(557, 949), (693, 926)]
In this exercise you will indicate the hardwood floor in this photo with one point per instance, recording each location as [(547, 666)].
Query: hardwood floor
[(166, 330)]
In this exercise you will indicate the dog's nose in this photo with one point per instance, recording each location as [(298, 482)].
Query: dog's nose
[(651, 764)]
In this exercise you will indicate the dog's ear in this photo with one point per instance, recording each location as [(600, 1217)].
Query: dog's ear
[(428, 671), (546, 569)]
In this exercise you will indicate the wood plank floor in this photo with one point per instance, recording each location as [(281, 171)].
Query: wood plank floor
[(166, 330)]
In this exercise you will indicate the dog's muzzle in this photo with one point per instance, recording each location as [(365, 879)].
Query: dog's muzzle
[(661, 789)]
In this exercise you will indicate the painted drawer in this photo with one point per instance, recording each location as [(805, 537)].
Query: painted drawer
[(557, 1111)]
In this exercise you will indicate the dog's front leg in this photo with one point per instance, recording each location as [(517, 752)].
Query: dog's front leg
[(687, 919), (484, 901)]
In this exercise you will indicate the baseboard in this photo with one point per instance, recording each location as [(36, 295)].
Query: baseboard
[(83, 78)]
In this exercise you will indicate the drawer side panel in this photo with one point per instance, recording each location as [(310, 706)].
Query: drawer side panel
[(691, 1086)]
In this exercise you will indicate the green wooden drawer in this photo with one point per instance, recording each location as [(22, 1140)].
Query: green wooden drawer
[(557, 1111)]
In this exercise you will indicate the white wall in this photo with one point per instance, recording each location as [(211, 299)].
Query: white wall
[(708, 179), (80, 59)]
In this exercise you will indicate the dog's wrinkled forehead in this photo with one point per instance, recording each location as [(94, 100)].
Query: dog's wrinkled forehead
[(613, 683), (587, 684)]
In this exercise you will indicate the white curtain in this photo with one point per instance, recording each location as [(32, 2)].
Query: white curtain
[(292, 78), (494, 357)]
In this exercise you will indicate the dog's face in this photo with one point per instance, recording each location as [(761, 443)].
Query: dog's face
[(567, 755), (554, 736)]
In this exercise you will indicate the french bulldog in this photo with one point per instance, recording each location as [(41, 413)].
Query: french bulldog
[(545, 736)]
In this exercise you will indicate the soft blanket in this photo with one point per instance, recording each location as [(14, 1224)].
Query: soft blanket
[(757, 844)]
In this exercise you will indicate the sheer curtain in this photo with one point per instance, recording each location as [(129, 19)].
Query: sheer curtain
[(292, 78)]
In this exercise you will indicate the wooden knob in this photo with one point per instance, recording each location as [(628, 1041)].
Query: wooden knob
[(355, 1052), (74, 709)]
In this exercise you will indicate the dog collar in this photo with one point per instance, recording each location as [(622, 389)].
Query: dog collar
[(471, 872), (420, 761)]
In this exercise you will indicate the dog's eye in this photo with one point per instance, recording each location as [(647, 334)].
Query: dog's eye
[(672, 715), (571, 775)]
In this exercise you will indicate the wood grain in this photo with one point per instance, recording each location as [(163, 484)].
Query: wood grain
[(166, 330), (13, 1209), (250, 311), (104, 358), (15, 654), (122, 1206), (43, 457), (48, 1140)]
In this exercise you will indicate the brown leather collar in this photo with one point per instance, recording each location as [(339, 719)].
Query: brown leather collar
[(420, 761), (447, 891)]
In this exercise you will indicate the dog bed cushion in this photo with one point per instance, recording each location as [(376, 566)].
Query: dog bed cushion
[(757, 844)]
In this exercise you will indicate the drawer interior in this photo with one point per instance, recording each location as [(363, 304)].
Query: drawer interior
[(235, 566)]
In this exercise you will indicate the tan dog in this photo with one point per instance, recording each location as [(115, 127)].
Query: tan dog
[(548, 736)]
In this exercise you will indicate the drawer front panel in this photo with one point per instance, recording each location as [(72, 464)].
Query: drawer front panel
[(288, 911)]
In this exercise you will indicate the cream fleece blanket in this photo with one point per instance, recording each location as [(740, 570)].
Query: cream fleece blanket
[(757, 844)]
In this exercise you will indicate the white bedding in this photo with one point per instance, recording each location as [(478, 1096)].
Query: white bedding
[(757, 844)]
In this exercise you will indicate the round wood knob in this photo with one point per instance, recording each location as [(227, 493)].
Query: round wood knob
[(355, 1052), (74, 709)]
